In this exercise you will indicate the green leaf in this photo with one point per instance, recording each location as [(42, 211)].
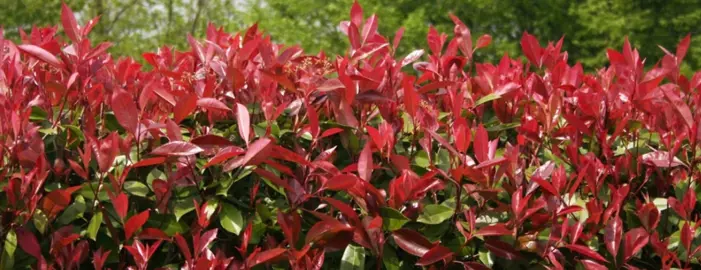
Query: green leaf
[(504, 126), (353, 258), (7, 260), (182, 207), (94, 225), (486, 99), (393, 219), (421, 159), (76, 132), (73, 211), (136, 188), (486, 258), (38, 114), (660, 203), (40, 221), (230, 219), (435, 214), (389, 259)]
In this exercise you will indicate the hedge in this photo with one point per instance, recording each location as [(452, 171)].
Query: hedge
[(241, 153)]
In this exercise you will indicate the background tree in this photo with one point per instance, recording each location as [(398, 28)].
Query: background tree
[(589, 26)]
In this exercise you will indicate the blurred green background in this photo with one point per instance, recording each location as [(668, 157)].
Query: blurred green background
[(589, 26)]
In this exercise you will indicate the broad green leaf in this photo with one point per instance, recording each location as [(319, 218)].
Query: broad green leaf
[(94, 225), (660, 203), (40, 221), (73, 211), (75, 132), (421, 159), (182, 207), (389, 258), (231, 219), (353, 258), (435, 214), (392, 219), (38, 114), (136, 188), (486, 258), (88, 191), (168, 224), (7, 260), (486, 99)]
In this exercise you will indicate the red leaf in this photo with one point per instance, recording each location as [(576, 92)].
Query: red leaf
[(149, 161), (481, 144), (612, 236), (412, 242), (435, 254), (263, 257), (134, 223), (344, 208), (547, 186), (636, 239), (683, 47), (178, 148), (493, 230), (661, 159), (182, 244), (282, 80), (28, 242), (670, 92), (569, 209), (210, 140), (411, 98), (153, 234), (244, 122), (490, 163), (649, 216), (121, 205), (365, 163), (356, 13), (502, 249), (125, 110), (434, 85), (325, 229), (99, 258), (212, 104), (185, 106), (41, 54), (313, 119), (273, 178), (253, 151), (584, 250), (686, 236), (341, 182), (70, 26), (106, 151), (224, 155), (411, 57), (330, 132), (483, 41), (354, 36), (57, 200)]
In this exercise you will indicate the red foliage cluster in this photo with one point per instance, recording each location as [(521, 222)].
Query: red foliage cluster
[(241, 153)]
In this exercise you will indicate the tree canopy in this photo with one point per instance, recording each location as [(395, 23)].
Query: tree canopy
[(588, 27)]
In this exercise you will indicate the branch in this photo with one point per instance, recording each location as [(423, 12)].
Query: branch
[(200, 5), (119, 14)]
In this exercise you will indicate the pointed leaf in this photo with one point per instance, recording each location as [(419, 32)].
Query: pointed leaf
[(177, 148)]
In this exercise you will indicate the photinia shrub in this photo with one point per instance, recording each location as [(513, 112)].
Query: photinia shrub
[(246, 154)]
